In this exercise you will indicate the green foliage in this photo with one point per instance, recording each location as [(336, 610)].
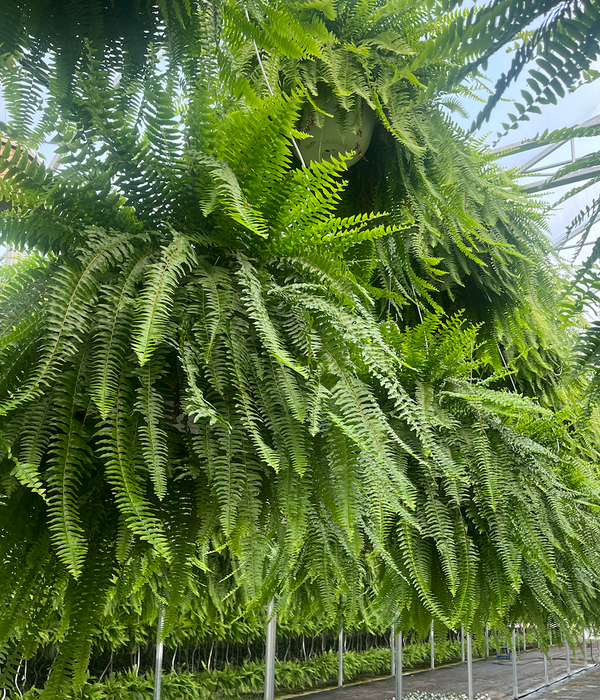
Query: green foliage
[(247, 681), (227, 377)]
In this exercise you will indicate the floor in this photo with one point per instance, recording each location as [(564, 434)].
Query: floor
[(492, 676)]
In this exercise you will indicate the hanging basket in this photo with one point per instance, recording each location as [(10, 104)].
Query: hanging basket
[(333, 139)]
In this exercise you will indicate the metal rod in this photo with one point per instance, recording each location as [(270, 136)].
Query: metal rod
[(341, 658), (487, 640), (546, 682), (568, 652), (159, 656), (524, 640), (462, 643), (598, 648), (514, 665), (270, 651), (393, 648), (584, 646), (399, 666), (469, 668), (432, 646)]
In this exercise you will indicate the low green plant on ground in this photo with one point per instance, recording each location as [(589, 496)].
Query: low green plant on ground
[(247, 680)]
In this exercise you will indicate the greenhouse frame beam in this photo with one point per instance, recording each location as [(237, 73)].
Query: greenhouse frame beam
[(531, 144), (570, 235), (529, 167), (571, 178)]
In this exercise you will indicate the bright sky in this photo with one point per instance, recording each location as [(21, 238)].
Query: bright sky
[(573, 109)]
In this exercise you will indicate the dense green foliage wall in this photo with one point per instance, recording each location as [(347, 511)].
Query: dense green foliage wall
[(227, 376)]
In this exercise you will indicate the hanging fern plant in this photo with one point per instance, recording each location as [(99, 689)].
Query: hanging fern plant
[(216, 383)]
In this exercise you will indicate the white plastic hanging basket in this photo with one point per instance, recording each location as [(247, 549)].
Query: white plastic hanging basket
[(331, 140)]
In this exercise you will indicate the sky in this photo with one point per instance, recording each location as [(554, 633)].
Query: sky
[(573, 109)]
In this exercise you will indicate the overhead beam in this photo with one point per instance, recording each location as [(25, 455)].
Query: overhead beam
[(530, 144), (569, 179)]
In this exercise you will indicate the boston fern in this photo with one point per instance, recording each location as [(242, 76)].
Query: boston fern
[(228, 376)]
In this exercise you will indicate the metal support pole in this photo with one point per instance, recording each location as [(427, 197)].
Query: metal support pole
[(393, 648), (568, 652), (159, 656), (487, 641), (399, 666), (270, 651), (551, 636), (432, 646), (341, 658), (514, 664), (462, 643), (524, 640), (584, 646), (598, 648), (469, 668), (546, 682)]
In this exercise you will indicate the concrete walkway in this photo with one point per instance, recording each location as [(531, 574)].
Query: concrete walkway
[(492, 676)]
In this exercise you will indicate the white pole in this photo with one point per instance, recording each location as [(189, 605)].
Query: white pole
[(462, 643), (568, 651), (159, 656), (544, 658), (524, 640), (469, 667), (514, 664), (598, 648), (399, 666), (487, 641), (270, 651), (393, 648), (432, 646), (583, 644), (341, 658)]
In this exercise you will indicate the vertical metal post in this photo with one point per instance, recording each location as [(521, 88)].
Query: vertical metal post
[(159, 656), (598, 648), (341, 658), (514, 664), (524, 640), (544, 658), (462, 643), (432, 646), (487, 641), (469, 668), (551, 636), (584, 646), (568, 652), (270, 651), (393, 648), (399, 666)]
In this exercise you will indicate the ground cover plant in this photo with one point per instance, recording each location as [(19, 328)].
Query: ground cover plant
[(247, 680), (228, 376)]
